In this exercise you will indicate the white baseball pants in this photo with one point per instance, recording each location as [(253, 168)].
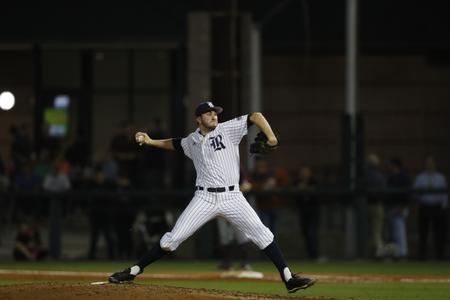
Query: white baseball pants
[(205, 206)]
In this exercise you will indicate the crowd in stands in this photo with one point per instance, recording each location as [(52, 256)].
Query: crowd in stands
[(56, 168)]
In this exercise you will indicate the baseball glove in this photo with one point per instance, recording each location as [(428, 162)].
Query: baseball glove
[(260, 146)]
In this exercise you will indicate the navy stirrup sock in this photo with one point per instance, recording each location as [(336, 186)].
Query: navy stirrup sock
[(153, 255), (274, 253)]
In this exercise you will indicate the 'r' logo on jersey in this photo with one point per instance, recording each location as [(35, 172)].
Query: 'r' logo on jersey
[(216, 142)]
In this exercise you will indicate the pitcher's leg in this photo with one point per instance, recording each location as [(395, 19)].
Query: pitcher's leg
[(238, 211), (201, 209)]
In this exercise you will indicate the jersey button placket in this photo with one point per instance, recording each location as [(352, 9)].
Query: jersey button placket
[(203, 147), (205, 153), (207, 163)]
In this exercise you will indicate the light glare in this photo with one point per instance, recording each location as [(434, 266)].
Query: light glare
[(7, 100)]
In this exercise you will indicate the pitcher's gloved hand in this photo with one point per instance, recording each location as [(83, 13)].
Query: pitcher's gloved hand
[(260, 145)]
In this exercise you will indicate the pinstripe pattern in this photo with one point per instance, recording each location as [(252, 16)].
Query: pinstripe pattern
[(216, 160), (205, 206), (235, 208)]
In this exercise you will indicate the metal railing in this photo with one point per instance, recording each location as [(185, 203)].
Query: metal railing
[(169, 199)]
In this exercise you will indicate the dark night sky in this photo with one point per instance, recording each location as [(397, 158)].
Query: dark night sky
[(384, 24)]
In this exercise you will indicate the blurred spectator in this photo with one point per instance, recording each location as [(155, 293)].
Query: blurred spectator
[(77, 152), (123, 149), (21, 146), (142, 239), (282, 181), (86, 178), (77, 156), (375, 179), (63, 164), (26, 181), (432, 209), (28, 243), (397, 211), (148, 227), (4, 180), (123, 218), (57, 180), (2, 165), (43, 165), (110, 168), (228, 236), (262, 179), (100, 214), (6, 203), (282, 178), (309, 211), (151, 164)]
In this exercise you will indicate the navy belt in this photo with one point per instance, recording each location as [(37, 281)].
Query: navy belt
[(215, 190)]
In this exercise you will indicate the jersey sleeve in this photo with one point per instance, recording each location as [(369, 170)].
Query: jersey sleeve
[(236, 128), (185, 145)]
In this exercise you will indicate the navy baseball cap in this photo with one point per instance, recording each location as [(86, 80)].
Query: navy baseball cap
[(207, 106)]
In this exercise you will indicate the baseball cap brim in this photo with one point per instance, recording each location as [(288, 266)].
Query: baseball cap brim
[(217, 109)]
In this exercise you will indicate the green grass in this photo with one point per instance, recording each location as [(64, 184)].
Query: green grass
[(9, 282), (391, 268), (399, 268), (364, 291)]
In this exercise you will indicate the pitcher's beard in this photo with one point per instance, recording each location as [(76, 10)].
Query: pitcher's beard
[(211, 128)]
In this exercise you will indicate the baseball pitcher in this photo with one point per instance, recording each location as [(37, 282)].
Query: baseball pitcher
[(214, 149)]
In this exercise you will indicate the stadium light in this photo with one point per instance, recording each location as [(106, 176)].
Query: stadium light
[(7, 100)]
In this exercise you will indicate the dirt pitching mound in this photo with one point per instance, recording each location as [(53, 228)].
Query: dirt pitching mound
[(53, 291)]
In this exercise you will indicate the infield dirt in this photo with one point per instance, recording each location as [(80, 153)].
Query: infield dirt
[(77, 285), (54, 290)]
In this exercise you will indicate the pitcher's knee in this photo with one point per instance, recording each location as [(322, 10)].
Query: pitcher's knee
[(264, 239), (168, 243)]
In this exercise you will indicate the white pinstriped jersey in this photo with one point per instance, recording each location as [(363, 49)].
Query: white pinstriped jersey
[(216, 155)]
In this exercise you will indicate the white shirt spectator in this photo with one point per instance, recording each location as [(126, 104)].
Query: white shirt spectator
[(432, 180), (56, 183)]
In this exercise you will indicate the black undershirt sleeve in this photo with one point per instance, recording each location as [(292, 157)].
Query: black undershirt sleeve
[(249, 123), (177, 144)]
